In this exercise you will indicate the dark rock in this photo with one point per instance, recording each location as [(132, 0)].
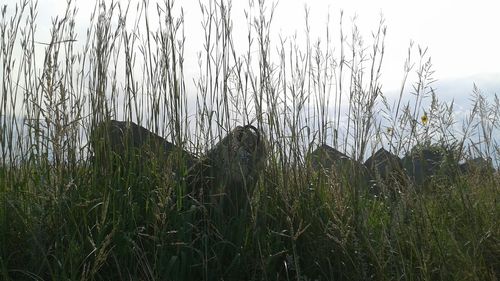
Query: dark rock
[(136, 147), (422, 164), (387, 172), (479, 166), (228, 173), (226, 176), (328, 160), (383, 164)]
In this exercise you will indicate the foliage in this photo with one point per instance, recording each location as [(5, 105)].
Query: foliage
[(68, 214)]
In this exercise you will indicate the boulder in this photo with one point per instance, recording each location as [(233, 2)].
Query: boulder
[(225, 176), (387, 172), (477, 166), (228, 173), (342, 168), (133, 146), (422, 164)]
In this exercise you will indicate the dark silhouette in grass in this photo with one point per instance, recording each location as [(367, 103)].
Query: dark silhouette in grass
[(225, 176), (134, 147), (387, 173), (342, 169), (228, 173), (477, 166), (426, 163)]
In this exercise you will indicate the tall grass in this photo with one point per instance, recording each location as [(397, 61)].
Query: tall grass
[(70, 213)]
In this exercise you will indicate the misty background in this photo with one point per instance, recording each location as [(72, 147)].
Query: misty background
[(459, 37)]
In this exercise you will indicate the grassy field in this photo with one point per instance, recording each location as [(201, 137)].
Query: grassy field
[(68, 213)]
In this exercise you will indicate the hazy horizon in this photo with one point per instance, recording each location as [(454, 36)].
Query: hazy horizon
[(457, 37)]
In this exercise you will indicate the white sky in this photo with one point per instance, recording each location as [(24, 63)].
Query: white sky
[(463, 37)]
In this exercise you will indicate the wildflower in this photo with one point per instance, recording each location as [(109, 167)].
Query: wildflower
[(425, 119)]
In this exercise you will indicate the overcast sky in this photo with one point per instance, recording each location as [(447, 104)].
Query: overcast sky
[(463, 37)]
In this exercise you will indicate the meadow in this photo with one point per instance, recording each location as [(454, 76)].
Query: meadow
[(69, 213)]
